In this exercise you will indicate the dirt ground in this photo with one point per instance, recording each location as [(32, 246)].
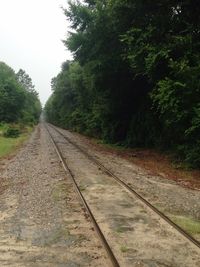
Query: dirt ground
[(137, 236), (41, 220)]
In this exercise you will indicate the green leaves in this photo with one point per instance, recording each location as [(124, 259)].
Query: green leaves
[(18, 99), (12, 96), (136, 74), (24, 79)]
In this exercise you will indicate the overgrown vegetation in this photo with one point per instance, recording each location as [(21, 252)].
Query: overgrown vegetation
[(134, 79), (12, 132)]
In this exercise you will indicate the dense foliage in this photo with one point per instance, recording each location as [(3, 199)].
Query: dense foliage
[(135, 75), (19, 101)]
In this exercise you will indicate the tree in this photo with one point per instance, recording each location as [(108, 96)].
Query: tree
[(32, 108), (25, 80), (18, 99), (12, 96), (135, 75)]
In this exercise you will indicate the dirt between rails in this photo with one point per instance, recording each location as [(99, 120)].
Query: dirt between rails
[(176, 200), (42, 223)]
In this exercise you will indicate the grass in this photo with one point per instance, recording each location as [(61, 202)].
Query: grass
[(118, 147), (9, 145), (124, 249), (82, 188), (120, 230), (188, 224)]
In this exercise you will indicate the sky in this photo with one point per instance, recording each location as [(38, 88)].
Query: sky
[(31, 34)]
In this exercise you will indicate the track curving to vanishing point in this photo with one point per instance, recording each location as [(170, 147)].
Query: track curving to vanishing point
[(126, 186)]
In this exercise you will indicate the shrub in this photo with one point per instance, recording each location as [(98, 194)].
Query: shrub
[(12, 132)]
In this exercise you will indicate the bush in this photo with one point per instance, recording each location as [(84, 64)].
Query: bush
[(12, 132)]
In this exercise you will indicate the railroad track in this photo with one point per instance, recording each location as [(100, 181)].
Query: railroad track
[(124, 185), (102, 238)]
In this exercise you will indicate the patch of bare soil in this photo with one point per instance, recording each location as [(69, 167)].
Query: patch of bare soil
[(137, 235), (41, 220)]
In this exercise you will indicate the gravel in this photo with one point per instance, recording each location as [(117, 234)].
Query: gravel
[(42, 222)]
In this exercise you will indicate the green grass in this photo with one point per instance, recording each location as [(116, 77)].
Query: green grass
[(124, 249), (188, 224), (9, 145), (116, 146), (82, 187), (119, 230)]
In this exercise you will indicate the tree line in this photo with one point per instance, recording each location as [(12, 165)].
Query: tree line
[(19, 101), (134, 79)]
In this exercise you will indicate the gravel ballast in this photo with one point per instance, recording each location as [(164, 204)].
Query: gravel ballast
[(42, 222)]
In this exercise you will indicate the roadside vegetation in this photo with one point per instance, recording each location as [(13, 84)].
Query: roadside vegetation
[(10, 142), (20, 108), (134, 80)]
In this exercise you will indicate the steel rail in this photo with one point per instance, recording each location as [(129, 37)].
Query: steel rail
[(132, 191), (95, 224)]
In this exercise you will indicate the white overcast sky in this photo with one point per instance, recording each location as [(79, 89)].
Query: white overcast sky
[(30, 38)]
